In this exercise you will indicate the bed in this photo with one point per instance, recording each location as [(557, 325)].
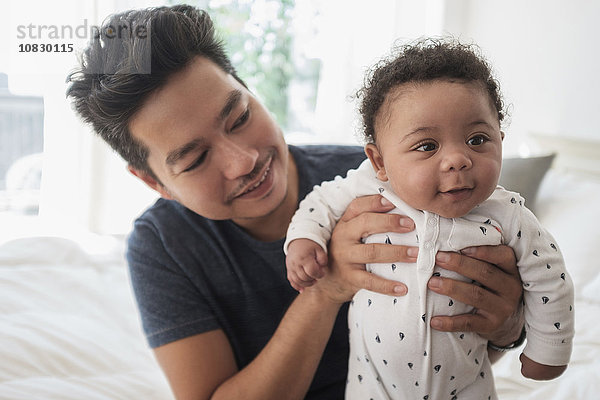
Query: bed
[(69, 328), (568, 206), (68, 323)]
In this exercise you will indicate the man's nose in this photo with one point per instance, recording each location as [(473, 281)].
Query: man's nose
[(236, 160)]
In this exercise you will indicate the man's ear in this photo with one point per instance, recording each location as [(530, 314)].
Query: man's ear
[(151, 182), (376, 159)]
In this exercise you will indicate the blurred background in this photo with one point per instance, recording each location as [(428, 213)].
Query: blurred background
[(304, 59)]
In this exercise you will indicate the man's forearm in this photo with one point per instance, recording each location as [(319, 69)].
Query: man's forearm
[(285, 368)]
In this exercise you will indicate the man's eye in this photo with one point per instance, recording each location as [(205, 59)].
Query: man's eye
[(477, 141), (426, 147), (196, 163), (241, 120)]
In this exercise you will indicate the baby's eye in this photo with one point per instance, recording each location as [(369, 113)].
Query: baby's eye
[(477, 141), (426, 147)]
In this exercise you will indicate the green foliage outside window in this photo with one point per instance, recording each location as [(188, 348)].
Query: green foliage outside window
[(258, 38)]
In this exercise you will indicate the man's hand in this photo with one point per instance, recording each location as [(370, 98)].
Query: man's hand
[(348, 254), (498, 314)]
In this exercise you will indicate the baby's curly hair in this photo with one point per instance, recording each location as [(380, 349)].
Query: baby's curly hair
[(422, 61)]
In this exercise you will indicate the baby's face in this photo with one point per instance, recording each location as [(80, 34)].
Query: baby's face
[(439, 144)]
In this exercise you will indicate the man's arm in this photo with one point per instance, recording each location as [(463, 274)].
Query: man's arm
[(203, 366)]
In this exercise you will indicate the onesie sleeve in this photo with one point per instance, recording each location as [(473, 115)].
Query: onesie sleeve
[(320, 210), (548, 288)]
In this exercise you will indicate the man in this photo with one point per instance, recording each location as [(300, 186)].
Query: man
[(206, 260)]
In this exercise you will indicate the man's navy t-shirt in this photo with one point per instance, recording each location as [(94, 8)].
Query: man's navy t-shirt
[(192, 275)]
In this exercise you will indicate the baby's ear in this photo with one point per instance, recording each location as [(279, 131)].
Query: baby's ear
[(376, 159)]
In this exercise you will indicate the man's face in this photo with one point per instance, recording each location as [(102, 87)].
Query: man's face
[(439, 144), (212, 145)]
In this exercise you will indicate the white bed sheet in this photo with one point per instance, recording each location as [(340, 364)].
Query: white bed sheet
[(568, 207), (69, 328), (68, 324)]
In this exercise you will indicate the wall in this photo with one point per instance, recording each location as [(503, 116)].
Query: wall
[(546, 56)]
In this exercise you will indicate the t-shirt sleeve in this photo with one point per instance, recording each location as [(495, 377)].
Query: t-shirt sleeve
[(170, 306)]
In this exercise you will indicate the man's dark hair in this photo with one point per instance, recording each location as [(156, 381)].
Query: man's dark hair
[(423, 61), (106, 91)]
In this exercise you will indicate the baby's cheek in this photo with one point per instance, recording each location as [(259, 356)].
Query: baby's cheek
[(416, 188)]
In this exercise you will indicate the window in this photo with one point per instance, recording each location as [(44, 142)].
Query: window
[(265, 40), (21, 145)]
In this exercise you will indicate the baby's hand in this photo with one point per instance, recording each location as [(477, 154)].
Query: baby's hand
[(540, 372), (305, 262)]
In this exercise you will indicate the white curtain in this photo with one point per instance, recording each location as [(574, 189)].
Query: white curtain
[(84, 184)]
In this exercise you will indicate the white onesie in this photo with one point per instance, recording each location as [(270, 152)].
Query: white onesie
[(394, 354)]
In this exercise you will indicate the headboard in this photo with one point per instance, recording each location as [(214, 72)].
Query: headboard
[(580, 156)]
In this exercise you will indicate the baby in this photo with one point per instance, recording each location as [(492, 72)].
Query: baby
[(431, 118)]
